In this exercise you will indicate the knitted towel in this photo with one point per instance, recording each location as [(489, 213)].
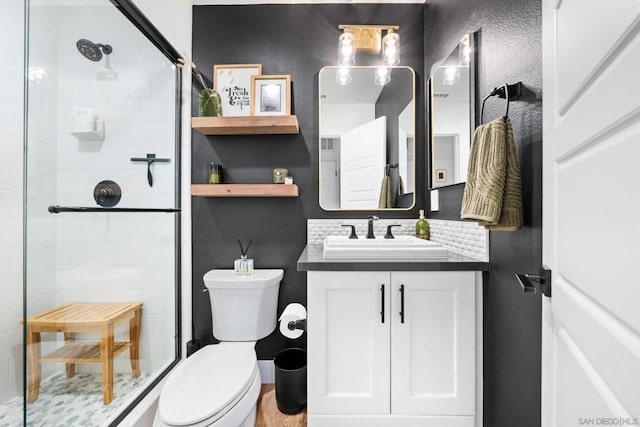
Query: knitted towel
[(385, 193), (493, 193)]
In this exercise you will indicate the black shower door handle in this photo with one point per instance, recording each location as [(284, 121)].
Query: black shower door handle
[(57, 209)]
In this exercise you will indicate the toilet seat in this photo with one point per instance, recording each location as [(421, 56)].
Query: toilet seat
[(209, 384)]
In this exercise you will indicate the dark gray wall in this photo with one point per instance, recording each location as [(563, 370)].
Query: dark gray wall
[(286, 39), (510, 51)]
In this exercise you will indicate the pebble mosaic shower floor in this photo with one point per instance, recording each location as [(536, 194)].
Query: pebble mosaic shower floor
[(71, 402)]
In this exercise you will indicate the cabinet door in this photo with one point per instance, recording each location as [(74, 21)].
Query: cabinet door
[(348, 343), (433, 351)]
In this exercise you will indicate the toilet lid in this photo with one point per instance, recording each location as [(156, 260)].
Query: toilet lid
[(204, 385)]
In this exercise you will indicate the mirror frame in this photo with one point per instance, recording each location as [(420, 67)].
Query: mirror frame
[(473, 85), (415, 142)]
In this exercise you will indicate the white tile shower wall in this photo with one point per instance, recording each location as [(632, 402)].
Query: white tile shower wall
[(117, 257), (173, 19), (465, 238), (41, 165), (11, 161)]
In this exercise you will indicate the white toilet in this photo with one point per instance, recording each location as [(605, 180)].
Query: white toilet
[(219, 384)]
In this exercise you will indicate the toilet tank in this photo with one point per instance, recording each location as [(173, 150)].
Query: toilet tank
[(243, 308)]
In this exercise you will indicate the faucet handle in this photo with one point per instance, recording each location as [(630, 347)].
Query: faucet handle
[(353, 234), (388, 235)]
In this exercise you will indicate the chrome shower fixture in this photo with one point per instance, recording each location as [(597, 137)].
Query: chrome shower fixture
[(93, 51)]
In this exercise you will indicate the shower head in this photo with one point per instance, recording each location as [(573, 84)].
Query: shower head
[(93, 51)]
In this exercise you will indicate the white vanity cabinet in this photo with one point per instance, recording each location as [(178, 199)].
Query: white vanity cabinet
[(399, 348)]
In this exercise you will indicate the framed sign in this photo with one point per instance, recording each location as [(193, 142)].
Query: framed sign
[(233, 83), (441, 175), (271, 95)]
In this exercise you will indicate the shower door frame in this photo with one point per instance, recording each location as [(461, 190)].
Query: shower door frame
[(140, 21)]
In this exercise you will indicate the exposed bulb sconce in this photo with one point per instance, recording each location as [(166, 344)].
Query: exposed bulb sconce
[(391, 48), (346, 48), (368, 38)]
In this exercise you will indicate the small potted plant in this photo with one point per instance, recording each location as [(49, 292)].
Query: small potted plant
[(209, 101)]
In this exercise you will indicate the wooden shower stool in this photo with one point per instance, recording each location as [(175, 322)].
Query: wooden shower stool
[(80, 317)]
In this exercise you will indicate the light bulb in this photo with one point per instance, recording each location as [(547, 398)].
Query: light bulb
[(391, 48), (346, 49), (383, 76), (343, 76)]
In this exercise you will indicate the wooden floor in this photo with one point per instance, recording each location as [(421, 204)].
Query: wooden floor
[(268, 414)]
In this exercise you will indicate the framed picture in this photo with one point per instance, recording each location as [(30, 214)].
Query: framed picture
[(441, 175), (271, 95), (233, 83)]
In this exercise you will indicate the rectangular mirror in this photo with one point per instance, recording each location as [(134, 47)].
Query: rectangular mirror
[(452, 107), (367, 138)]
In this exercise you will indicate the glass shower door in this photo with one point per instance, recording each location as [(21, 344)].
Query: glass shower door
[(102, 215)]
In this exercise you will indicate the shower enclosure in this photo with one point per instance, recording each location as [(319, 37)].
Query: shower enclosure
[(102, 214)]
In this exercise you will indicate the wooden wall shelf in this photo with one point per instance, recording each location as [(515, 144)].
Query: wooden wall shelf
[(244, 190), (250, 125)]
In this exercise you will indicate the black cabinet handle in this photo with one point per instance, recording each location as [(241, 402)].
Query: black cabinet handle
[(382, 303), (401, 303)]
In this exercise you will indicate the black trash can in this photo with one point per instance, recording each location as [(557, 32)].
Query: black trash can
[(291, 380)]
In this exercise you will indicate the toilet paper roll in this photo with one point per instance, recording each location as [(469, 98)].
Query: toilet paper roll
[(291, 313)]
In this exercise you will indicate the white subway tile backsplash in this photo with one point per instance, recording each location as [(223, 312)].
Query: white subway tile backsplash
[(462, 237)]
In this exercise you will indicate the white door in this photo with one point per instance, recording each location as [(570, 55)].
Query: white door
[(363, 156), (329, 185), (348, 346), (433, 345), (591, 233)]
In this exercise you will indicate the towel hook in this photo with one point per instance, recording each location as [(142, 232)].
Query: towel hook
[(508, 92)]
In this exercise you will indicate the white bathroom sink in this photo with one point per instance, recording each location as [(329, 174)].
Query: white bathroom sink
[(402, 247)]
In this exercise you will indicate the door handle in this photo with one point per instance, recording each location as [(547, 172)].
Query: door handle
[(401, 303), (536, 282), (382, 303)]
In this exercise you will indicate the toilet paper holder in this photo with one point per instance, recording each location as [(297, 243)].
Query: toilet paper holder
[(297, 324)]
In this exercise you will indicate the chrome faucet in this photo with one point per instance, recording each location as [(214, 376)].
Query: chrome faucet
[(370, 227)]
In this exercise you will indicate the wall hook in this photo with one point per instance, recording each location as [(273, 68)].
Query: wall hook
[(150, 159)]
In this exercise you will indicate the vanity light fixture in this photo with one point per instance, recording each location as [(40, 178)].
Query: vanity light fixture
[(368, 38)]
